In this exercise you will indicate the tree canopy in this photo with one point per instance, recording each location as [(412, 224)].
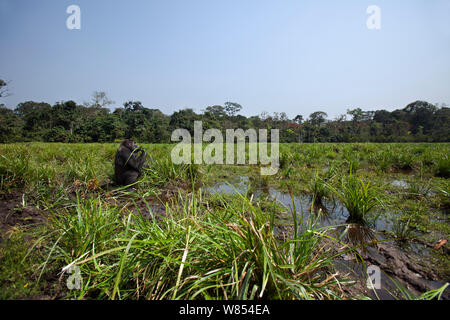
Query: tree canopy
[(68, 121)]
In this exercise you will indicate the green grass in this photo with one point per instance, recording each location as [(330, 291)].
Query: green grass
[(206, 246), (318, 189), (443, 167), (192, 253), (14, 271), (19, 268), (358, 196)]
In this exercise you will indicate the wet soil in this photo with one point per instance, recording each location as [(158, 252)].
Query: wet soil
[(397, 266), (17, 213), (411, 269), (409, 264), (13, 213)]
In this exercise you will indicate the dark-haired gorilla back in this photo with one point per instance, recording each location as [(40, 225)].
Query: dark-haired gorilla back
[(130, 159)]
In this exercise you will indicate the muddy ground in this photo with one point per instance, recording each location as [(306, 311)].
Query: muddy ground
[(14, 212), (16, 215), (405, 268), (409, 269)]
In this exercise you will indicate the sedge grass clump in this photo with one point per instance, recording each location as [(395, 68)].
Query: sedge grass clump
[(384, 161), (444, 197), (318, 190), (163, 170), (401, 229), (18, 266), (248, 262), (403, 161), (85, 229), (358, 196), (443, 168), (285, 159), (192, 252), (81, 233), (15, 168), (419, 189)]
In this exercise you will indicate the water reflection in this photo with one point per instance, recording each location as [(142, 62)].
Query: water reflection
[(356, 234), (328, 212)]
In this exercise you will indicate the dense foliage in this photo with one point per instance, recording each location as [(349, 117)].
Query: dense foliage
[(419, 121)]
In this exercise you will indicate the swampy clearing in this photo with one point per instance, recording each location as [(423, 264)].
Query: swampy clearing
[(225, 231)]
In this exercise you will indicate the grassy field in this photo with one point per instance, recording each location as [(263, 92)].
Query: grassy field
[(172, 238)]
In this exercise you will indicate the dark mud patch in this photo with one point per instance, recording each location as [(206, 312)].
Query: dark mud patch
[(150, 208), (406, 169), (152, 205), (15, 212), (398, 267)]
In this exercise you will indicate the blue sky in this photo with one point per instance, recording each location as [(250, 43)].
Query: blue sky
[(293, 56)]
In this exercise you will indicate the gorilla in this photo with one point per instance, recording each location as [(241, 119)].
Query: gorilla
[(130, 158)]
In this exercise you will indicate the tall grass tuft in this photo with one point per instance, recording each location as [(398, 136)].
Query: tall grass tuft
[(318, 189), (358, 197), (401, 229), (443, 168), (164, 170), (192, 252)]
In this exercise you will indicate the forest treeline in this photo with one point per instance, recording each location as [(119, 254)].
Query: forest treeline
[(94, 121)]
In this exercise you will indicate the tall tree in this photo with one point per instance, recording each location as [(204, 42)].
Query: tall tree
[(231, 108), (298, 119), (318, 117), (10, 126), (3, 88), (98, 104)]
